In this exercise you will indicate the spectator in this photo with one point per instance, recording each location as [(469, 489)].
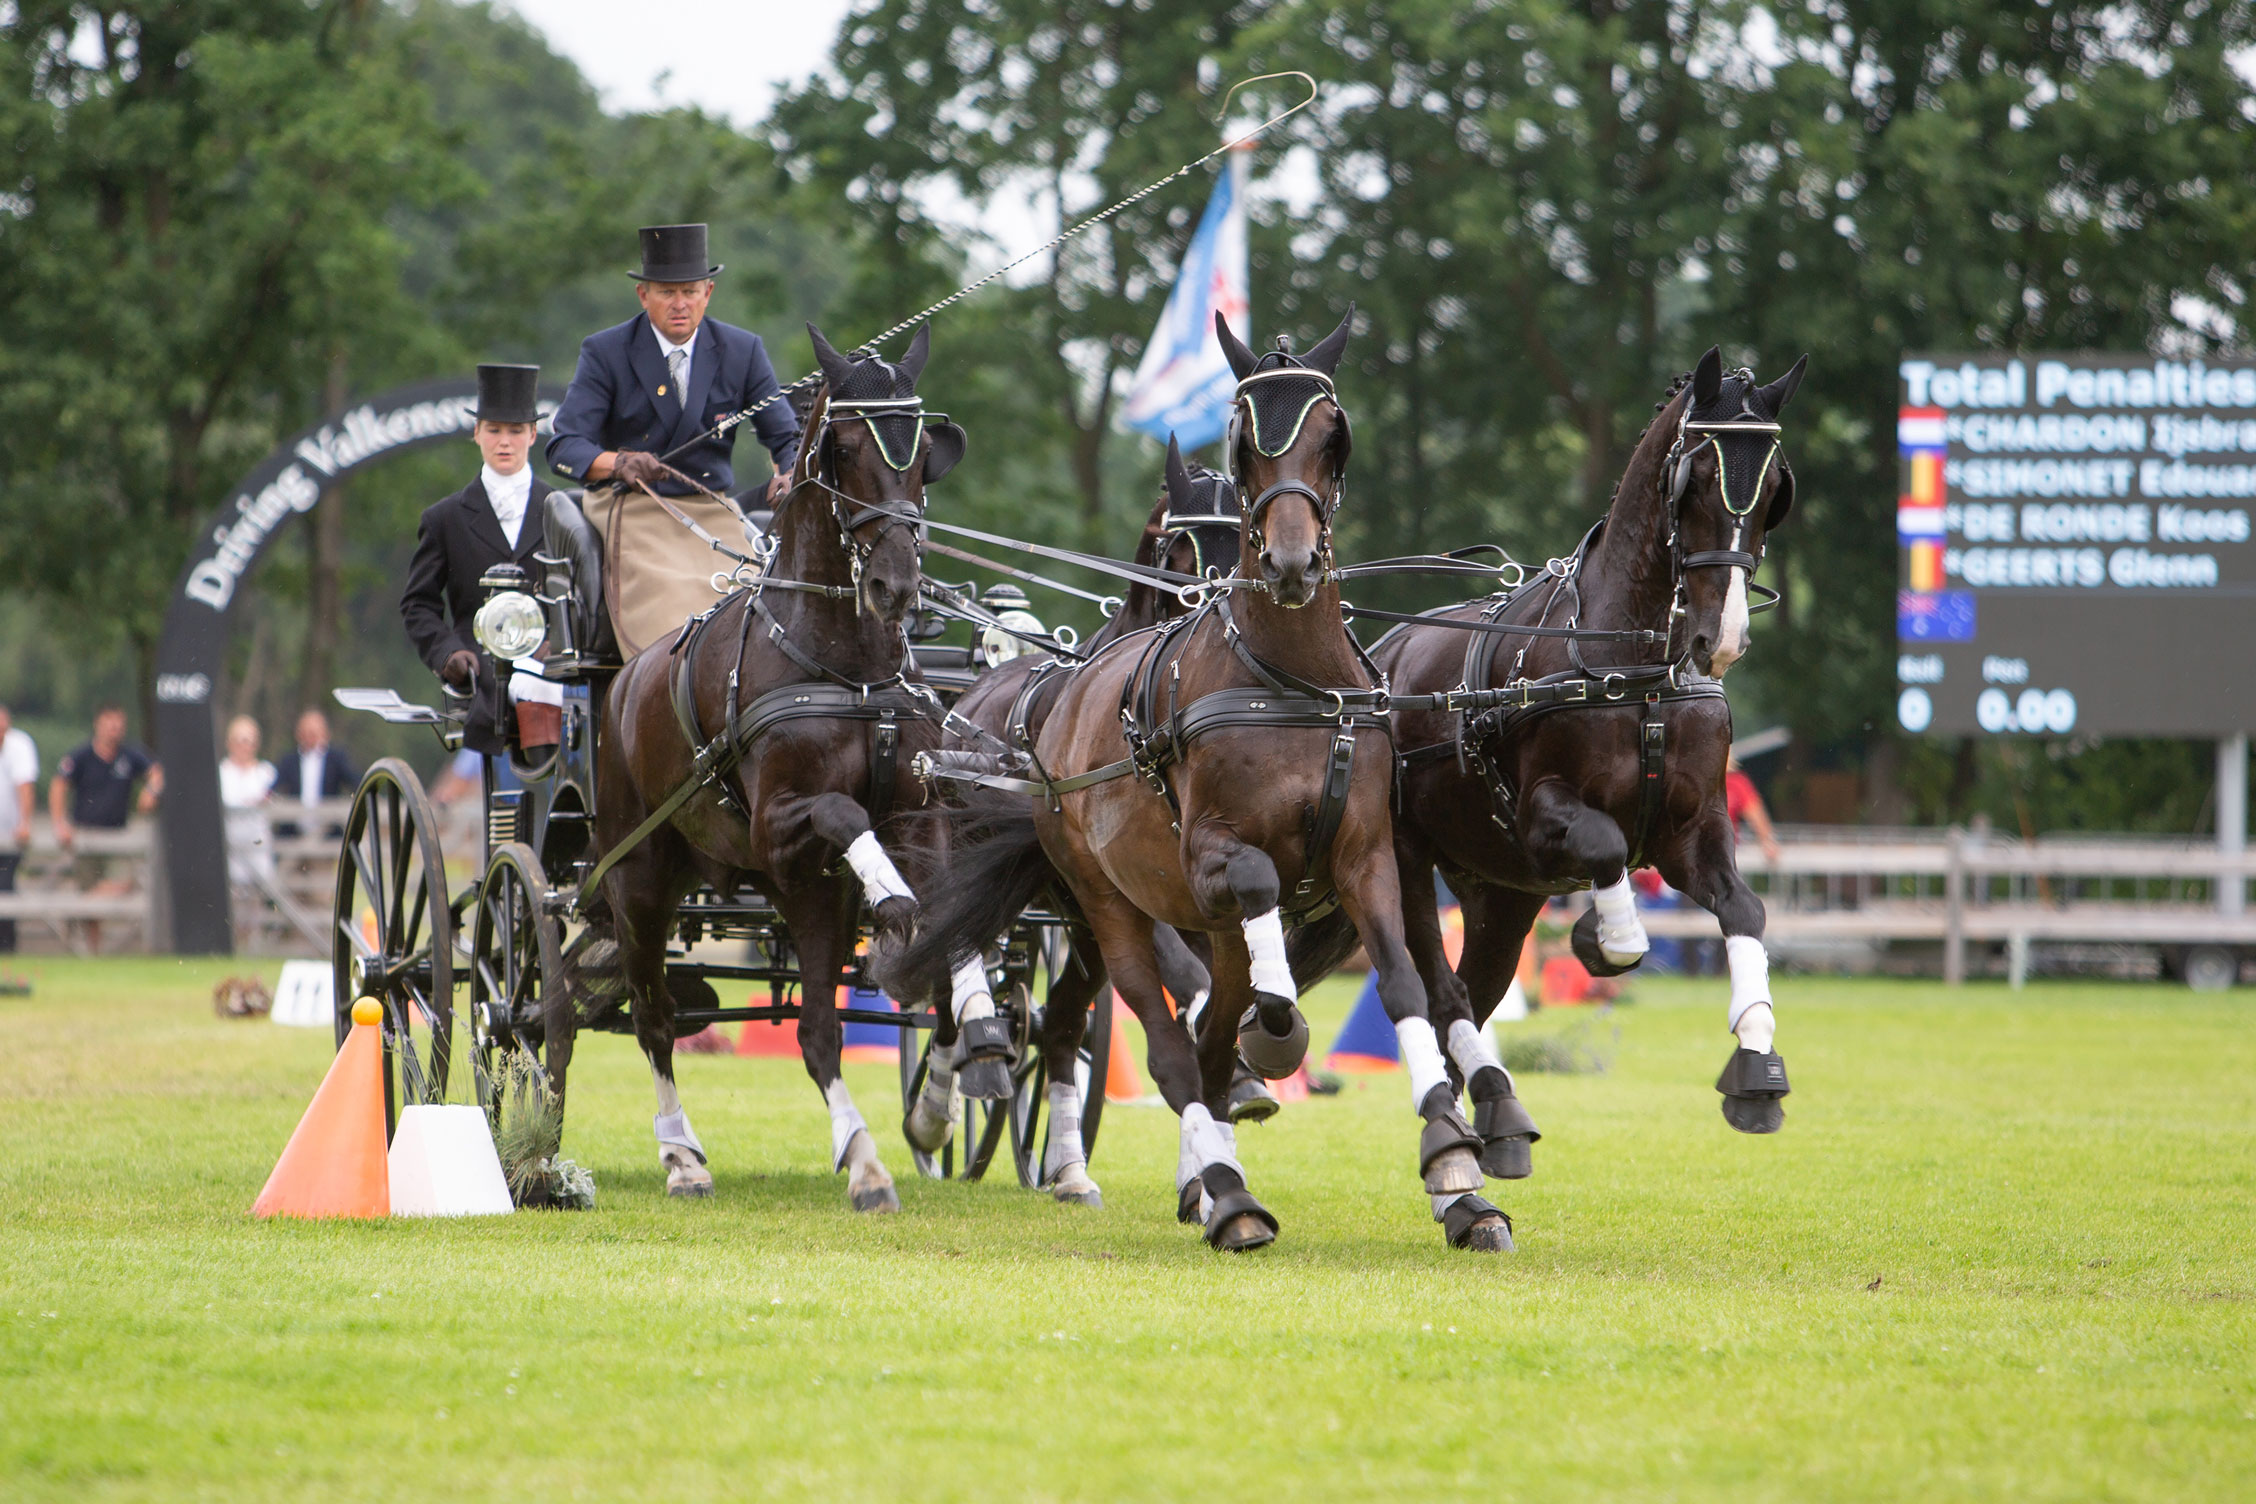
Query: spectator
[(19, 775), (93, 790), (318, 770), (1741, 801), (246, 782)]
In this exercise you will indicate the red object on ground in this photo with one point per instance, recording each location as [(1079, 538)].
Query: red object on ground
[(334, 1164), (779, 1039), (1565, 982), (1123, 1083)]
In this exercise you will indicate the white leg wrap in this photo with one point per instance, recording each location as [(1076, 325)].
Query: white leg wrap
[(1512, 1006), (1421, 1056), (1265, 939), (673, 1128), (1751, 1013), (1205, 1142), (1065, 1130), (971, 998), (1195, 1011), (1444, 1203), (1473, 1050), (880, 878), (845, 1122), (1621, 938)]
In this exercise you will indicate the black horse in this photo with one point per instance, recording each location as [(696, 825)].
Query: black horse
[(807, 677), (1610, 755), (1193, 528)]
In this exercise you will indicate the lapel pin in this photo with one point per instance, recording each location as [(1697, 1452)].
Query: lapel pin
[(661, 389)]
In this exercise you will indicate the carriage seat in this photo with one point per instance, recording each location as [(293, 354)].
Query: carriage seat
[(572, 557)]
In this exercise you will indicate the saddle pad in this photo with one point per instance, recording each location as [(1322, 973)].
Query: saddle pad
[(657, 573)]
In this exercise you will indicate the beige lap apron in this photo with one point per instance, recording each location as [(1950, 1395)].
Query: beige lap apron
[(656, 573)]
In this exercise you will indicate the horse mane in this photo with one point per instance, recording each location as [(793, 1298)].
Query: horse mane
[(1668, 399)]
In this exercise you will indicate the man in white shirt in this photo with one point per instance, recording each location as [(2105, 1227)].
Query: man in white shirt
[(19, 773), (496, 519), (315, 770)]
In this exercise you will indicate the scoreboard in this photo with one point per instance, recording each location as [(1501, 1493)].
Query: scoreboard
[(2075, 547)]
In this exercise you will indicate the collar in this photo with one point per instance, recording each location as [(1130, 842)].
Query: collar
[(516, 488), (667, 347)]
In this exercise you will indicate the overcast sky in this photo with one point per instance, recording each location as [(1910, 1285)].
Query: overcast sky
[(727, 56)]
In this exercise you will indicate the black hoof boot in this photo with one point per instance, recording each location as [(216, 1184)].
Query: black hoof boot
[(1448, 1147), (1584, 941), (1187, 1200), (1752, 1085), (985, 1075), (1272, 1037), (1473, 1223), (1507, 1136), (1251, 1101), (1237, 1222)]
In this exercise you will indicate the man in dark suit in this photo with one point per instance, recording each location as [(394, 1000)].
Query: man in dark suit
[(643, 390), (496, 519), (315, 770)]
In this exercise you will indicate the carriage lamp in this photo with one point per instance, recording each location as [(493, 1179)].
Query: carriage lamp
[(510, 625)]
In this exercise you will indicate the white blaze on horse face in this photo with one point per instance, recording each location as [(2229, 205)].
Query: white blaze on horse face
[(1752, 1017), (1731, 632)]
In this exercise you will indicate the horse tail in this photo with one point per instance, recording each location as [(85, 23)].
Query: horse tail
[(1317, 948), (996, 868)]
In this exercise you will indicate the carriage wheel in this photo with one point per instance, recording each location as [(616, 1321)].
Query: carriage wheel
[(516, 957), (392, 935), (1029, 1103)]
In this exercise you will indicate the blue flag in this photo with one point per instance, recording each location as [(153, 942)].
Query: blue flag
[(1184, 383)]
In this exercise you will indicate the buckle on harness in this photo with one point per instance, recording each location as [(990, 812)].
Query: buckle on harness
[(1613, 685), (1575, 693)]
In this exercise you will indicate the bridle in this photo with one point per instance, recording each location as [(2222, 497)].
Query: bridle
[(851, 513), (1175, 526), (1692, 436), (1245, 418)]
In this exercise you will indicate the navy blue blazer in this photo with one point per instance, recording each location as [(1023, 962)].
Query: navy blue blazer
[(614, 403)]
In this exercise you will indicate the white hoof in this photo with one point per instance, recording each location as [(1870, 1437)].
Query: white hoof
[(868, 1185), (932, 1123), (1073, 1185), (690, 1179)]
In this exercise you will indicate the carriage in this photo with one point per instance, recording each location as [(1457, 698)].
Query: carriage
[(473, 954)]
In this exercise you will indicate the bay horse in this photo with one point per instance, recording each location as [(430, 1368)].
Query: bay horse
[(792, 700), (1213, 774), (1603, 755), (1193, 528)]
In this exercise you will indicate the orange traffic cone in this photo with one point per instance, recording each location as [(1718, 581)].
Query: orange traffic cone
[(1122, 1083), (334, 1165)]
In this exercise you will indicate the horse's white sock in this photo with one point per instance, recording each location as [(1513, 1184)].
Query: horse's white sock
[(1474, 1051), (1205, 1142), (845, 1122), (673, 1128), (1065, 1130), (1421, 1056), (971, 998), (1752, 1017), (1621, 937), (1265, 940), (880, 878)]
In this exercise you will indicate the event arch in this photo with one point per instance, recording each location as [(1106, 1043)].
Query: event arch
[(193, 651)]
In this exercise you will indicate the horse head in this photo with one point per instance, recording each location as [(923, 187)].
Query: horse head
[(1727, 484), (1196, 526), (1287, 446), (874, 449)]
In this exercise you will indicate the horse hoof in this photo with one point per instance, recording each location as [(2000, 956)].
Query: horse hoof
[(1451, 1172), (1754, 1115), (927, 1130), (1242, 1233), (1508, 1158), (876, 1198), (1251, 1101), (1490, 1235), (689, 1184), (985, 1080), (1089, 1196), (1584, 942), (1187, 1199), (896, 919)]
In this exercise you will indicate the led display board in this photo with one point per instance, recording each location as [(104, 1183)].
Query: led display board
[(2075, 548)]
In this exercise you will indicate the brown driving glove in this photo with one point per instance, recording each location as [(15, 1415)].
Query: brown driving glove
[(634, 468), (461, 667)]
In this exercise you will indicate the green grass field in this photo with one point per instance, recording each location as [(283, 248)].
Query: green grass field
[(2002, 1250)]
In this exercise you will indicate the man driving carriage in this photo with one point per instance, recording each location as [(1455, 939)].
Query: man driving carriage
[(640, 418)]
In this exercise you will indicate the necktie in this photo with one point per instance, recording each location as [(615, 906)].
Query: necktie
[(677, 365)]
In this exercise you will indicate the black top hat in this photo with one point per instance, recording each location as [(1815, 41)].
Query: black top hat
[(508, 394), (673, 253)]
